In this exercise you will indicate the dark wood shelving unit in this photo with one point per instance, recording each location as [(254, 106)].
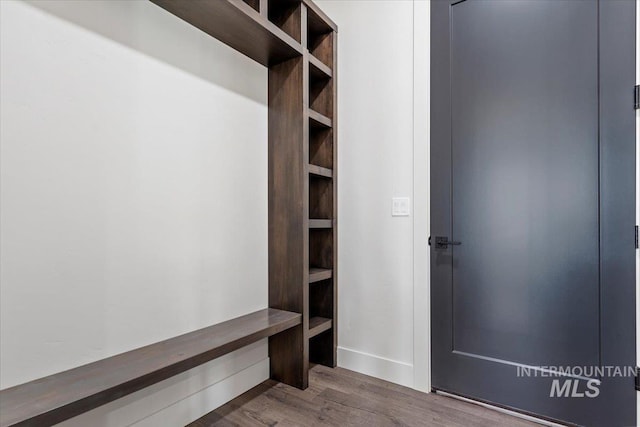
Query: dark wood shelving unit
[(302, 191), (321, 108), (298, 44)]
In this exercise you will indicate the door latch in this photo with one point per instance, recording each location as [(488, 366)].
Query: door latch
[(442, 242)]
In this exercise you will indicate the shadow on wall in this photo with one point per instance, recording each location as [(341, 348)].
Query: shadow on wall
[(151, 30)]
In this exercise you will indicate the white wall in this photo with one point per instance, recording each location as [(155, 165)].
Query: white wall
[(382, 134), (133, 197)]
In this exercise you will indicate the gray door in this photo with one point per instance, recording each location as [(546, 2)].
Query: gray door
[(533, 205)]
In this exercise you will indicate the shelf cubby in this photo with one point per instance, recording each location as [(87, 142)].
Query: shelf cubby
[(320, 198), (322, 322), (321, 97), (321, 147), (320, 38), (321, 299), (286, 15), (318, 70), (321, 248)]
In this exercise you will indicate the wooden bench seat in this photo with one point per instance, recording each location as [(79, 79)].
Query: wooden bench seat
[(61, 396)]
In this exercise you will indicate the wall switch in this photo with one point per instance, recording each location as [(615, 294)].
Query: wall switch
[(400, 206)]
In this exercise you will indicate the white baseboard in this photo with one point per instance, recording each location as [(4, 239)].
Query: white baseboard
[(376, 366), (203, 402), (186, 397)]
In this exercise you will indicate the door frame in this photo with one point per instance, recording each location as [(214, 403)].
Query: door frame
[(617, 73), (421, 189)]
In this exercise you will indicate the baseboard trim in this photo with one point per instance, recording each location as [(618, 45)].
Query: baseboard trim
[(185, 397), (201, 403), (376, 366)]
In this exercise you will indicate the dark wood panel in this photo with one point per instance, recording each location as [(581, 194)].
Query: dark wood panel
[(338, 397), (58, 397), (318, 274), (238, 25), (288, 217)]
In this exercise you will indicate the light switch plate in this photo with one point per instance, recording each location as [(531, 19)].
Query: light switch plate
[(400, 206)]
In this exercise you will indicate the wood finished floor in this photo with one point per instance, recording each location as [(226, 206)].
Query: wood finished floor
[(338, 397)]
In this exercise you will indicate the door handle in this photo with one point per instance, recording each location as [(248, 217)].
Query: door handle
[(442, 242)]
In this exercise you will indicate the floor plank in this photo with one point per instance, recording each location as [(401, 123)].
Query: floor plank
[(342, 398)]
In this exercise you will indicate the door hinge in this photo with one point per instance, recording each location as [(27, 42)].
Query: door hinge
[(429, 241), (637, 239), (638, 378), (636, 97)]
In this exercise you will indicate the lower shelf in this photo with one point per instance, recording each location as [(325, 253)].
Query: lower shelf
[(318, 274), (318, 325)]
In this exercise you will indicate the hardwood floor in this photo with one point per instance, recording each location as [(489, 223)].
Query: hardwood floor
[(338, 397)]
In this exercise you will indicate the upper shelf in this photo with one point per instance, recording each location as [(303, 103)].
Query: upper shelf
[(238, 25)]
